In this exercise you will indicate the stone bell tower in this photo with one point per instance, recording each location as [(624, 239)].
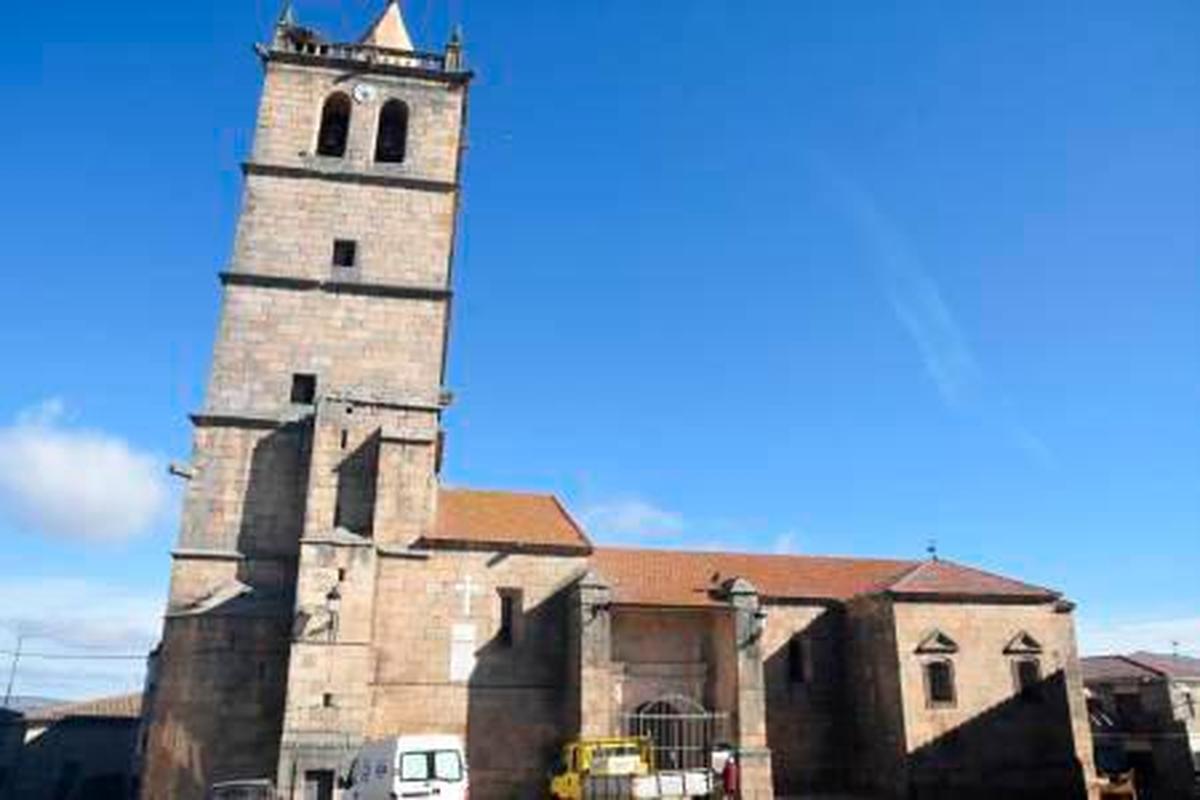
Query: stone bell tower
[(318, 445)]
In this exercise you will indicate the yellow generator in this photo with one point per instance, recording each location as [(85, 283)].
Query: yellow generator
[(601, 769)]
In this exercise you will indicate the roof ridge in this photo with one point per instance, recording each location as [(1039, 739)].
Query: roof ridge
[(1129, 658), (752, 554), (574, 523), (513, 492), (968, 568)]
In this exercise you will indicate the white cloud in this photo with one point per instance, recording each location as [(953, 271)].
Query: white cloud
[(918, 304), (89, 622), (630, 518), (1098, 637), (75, 483), (785, 544)]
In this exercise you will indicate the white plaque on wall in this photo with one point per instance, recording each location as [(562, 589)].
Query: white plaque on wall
[(462, 652)]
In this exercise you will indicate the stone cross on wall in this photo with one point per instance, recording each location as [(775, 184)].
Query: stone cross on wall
[(468, 589)]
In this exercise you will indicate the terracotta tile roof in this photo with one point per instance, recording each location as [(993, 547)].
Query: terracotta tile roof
[(945, 578), (468, 517), (666, 577), (125, 706)]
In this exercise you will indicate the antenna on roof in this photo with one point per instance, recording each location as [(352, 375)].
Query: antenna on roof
[(932, 549), (1174, 648)]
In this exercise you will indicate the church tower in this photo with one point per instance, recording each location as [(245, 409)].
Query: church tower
[(317, 449)]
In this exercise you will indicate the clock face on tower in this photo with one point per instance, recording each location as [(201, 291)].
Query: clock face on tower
[(364, 93)]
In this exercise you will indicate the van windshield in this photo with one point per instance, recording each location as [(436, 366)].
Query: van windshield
[(436, 765)]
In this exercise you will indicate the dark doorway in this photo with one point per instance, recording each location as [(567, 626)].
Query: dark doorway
[(318, 784)]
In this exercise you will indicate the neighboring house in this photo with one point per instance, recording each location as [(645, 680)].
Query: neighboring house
[(75, 751), (12, 728), (1145, 715)]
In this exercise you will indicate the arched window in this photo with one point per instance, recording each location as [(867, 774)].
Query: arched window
[(335, 126), (939, 683), (392, 142)]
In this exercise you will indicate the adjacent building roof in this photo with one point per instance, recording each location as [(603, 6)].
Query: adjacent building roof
[(1172, 666), (1139, 666), (1113, 668), (125, 706), (467, 517)]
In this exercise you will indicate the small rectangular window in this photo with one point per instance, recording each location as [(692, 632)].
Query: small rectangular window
[(304, 389), (939, 684), (510, 608), (327, 700), (1028, 678), (345, 253), (797, 659)]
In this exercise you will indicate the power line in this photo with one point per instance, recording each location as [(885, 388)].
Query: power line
[(19, 653)]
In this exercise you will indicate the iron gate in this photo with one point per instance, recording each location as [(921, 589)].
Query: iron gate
[(683, 733)]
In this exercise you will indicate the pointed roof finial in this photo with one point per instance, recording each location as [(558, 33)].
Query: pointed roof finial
[(389, 30), (287, 15)]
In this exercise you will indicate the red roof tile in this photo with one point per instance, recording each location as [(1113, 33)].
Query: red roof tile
[(945, 578), (673, 578), (504, 519)]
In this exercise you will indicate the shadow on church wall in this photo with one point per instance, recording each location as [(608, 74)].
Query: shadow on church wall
[(517, 703), (808, 729), (273, 507), (1023, 747)]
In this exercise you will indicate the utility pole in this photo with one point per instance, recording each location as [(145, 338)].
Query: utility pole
[(12, 671)]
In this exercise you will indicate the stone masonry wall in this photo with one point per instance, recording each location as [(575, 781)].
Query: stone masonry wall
[(806, 712), (290, 114), (510, 703), (993, 737), (217, 704), (288, 227), (369, 347)]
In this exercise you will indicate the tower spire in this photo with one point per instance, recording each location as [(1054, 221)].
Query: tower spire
[(389, 30)]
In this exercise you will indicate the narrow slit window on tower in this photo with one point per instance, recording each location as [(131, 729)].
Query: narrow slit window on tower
[(797, 660), (510, 608), (345, 253), (304, 388), (335, 126), (392, 142)]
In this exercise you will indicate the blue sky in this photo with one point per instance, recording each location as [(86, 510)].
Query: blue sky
[(820, 277)]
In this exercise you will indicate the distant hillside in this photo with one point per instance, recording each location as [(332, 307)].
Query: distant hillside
[(23, 704)]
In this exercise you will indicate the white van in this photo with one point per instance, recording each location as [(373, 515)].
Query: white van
[(409, 766)]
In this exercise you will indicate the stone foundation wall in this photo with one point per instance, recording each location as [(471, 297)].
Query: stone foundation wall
[(216, 709)]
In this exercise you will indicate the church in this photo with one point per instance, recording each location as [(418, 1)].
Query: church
[(328, 589)]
